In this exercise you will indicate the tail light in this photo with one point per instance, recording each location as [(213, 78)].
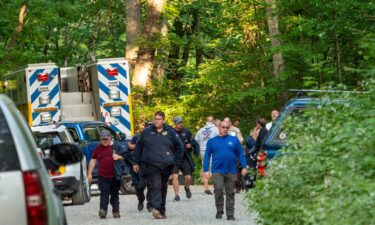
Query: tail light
[(262, 163), (42, 77), (60, 171), (35, 202)]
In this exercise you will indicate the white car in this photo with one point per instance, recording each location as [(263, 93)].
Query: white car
[(27, 194), (71, 180)]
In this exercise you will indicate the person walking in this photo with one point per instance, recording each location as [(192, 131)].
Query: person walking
[(187, 163), (159, 149), (274, 114), (225, 151), (251, 157), (207, 132), (261, 125), (140, 179), (234, 131), (110, 159)]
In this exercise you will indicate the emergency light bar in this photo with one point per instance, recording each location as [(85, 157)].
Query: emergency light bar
[(112, 72), (43, 77)]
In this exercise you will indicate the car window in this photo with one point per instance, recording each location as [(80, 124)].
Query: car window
[(114, 135), (74, 134), (280, 136), (64, 137), (92, 133), (46, 140), (8, 154)]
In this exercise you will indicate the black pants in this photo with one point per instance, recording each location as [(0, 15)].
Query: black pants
[(157, 179), (109, 193), (140, 184)]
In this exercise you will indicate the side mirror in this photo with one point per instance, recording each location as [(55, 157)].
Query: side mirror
[(121, 136), (64, 153)]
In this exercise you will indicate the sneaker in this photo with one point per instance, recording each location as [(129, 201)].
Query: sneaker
[(116, 215), (188, 192), (219, 214), (102, 213), (230, 218), (140, 206), (208, 192), (176, 198), (156, 214)]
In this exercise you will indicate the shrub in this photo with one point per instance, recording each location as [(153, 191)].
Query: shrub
[(327, 175)]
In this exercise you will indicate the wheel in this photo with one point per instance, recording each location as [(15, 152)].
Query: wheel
[(78, 198), (87, 192), (127, 186)]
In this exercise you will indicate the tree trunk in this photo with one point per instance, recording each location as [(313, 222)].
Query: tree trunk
[(133, 29), (160, 68), (21, 18), (146, 53), (174, 53), (198, 45), (273, 28)]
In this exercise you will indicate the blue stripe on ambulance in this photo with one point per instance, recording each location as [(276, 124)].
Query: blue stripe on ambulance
[(103, 71), (34, 76), (120, 69)]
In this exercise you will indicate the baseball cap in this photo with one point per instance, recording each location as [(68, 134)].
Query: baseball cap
[(105, 134), (178, 119)]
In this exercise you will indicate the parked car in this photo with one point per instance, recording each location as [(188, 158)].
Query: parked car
[(86, 134), (70, 180), (26, 191), (277, 136)]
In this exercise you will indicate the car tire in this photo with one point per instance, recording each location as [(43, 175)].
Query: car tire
[(127, 186), (78, 198), (87, 190)]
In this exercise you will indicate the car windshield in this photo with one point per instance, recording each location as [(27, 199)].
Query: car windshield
[(46, 140), (280, 136)]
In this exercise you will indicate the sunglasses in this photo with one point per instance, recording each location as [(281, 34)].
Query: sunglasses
[(225, 127)]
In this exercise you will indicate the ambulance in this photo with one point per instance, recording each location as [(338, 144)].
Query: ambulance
[(98, 90)]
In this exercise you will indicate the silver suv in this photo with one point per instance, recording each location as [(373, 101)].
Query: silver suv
[(27, 195), (70, 180)]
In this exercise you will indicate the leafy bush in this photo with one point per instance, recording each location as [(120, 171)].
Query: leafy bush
[(328, 175)]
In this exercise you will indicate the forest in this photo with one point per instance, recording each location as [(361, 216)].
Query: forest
[(193, 58)]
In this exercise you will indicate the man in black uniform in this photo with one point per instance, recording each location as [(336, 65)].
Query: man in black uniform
[(140, 179), (159, 149), (187, 163)]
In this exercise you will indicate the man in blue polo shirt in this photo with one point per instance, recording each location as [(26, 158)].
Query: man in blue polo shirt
[(225, 151)]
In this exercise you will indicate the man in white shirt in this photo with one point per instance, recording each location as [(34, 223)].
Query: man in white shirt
[(274, 115), (203, 135)]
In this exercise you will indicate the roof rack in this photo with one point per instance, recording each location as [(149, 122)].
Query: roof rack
[(300, 92)]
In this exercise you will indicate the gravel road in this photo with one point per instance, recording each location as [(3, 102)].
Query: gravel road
[(200, 209)]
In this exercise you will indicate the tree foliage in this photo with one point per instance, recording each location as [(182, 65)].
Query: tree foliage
[(326, 174), (216, 57)]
